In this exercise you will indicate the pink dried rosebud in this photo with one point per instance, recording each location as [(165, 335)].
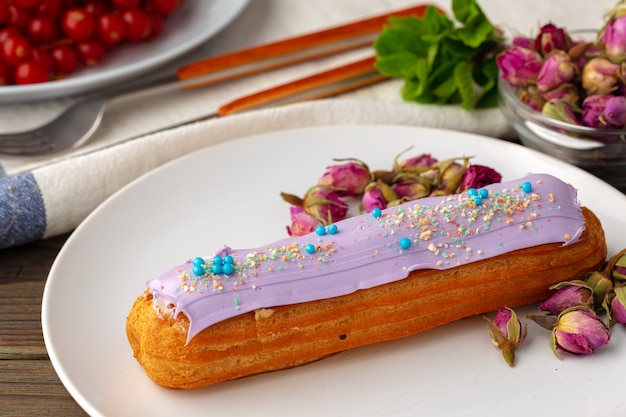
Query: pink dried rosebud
[(523, 42), (478, 176), (560, 110), (566, 92), (531, 97), (519, 66), (600, 285), (579, 331), (593, 111), (506, 333), (568, 294), (557, 69), (552, 38), (618, 306), (614, 37), (377, 195), (600, 76), (416, 163), (348, 179), (302, 223), (325, 204), (615, 111), (618, 266), (411, 187)]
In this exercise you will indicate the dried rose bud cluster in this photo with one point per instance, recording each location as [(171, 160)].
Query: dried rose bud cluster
[(421, 176), (578, 82), (574, 313)]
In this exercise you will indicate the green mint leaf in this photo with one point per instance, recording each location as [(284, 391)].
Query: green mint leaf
[(401, 65), (465, 84)]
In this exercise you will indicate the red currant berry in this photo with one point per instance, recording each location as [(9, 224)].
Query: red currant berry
[(91, 52), (78, 24), (163, 7), (19, 17), (65, 58), (43, 29), (157, 22), (126, 4), (97, 7), (50, 8), (8, 32), (5, 14), (30, 72), (5, 74), (111, 29), (43, 57), (15, 50), (26, 4), (137, 25)]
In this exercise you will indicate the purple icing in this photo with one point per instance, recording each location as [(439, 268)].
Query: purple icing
[(365, 252)]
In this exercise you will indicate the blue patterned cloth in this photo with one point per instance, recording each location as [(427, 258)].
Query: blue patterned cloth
[(22, 210)]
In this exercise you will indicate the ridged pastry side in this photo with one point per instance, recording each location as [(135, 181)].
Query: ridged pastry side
[(288, 336)]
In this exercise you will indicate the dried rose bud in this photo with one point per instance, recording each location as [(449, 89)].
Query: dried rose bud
[(478, 176), (614, 38), (618, 306), (519, 66), (600, 76), (348, 179), (593, 111), (411, 187), (557, 69), (560, 110), (566, 92), (415, 164), (600, 284), (552, 38), (531, 97), (523, 42), (579, 331), (618, 267), (302, 223), (568, 294), (452, 174), (325, 204), (506, 333), (615, 111), (377, 195)]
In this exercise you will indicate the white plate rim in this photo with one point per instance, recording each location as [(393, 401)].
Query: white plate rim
[(48, 303), (225, 11)]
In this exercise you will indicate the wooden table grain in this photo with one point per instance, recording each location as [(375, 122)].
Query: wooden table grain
[(29, 386)]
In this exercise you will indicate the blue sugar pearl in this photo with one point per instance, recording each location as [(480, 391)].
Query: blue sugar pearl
[(484, 193), (527, 187), (332, 229), (198, 261), (228, 268), (198, 270), (478, 201), (228, 260), (310, 248), (377, 212), (405, 243), (218, 260), (320, 230), (472, 192), (217, 269)]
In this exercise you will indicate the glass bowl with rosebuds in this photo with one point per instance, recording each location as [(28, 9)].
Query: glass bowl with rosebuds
[(564, 93)]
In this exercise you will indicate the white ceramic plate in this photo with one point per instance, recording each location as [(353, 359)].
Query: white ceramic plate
[(194, 23), (229, 193)]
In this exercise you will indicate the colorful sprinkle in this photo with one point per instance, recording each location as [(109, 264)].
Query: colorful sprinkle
[(376, 212), (484, 193), (527, 187), (477, 200), (198, 261), (310, 248), (405, 243), (332, 229), (198, 270), (228, 268), (320, 230)]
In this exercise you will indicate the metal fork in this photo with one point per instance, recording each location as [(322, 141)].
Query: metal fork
[(78, 123)]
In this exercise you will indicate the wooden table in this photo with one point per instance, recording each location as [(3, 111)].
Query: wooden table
[(29, 386)]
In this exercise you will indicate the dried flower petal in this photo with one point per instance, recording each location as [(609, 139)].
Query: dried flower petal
[(568, 294), (348, 179), (506, 333)]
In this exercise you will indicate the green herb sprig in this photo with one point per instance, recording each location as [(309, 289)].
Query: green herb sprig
[(440, 61)]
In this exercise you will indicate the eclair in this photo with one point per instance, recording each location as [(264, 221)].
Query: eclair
[(366, 279)]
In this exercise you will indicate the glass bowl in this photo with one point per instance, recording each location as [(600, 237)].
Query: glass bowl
[(602, 152)]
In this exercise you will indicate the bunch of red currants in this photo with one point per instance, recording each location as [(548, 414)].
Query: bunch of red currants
[(43, 40)]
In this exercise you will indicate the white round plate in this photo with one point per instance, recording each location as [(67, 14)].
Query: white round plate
[(229, 194), (193, 23)]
